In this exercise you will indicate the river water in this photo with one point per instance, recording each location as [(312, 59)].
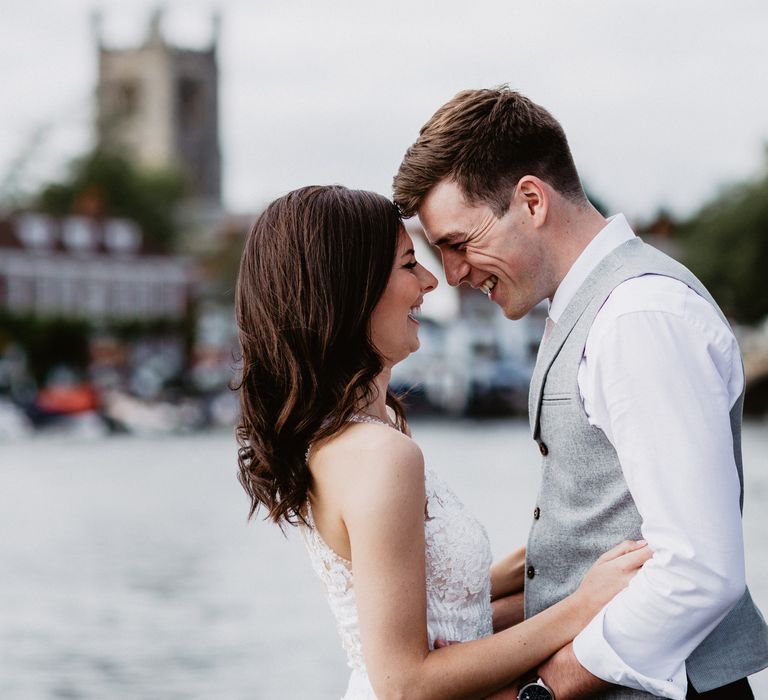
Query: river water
[(127, 569)]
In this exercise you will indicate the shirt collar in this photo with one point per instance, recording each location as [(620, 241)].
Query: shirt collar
[(611, 236)]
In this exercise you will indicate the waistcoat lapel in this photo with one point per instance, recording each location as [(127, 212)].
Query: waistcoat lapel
[(600, 277)]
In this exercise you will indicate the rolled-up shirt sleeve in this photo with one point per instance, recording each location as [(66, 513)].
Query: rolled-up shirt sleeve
[(660, 374)]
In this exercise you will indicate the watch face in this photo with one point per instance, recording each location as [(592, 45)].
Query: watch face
[(534, 691)]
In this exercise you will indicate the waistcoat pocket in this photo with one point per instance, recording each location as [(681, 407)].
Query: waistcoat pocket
[(551, 399)]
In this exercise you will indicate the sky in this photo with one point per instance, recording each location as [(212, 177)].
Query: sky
[(664, 102)]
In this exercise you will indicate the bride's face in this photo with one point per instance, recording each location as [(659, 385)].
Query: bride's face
[(395, 322)]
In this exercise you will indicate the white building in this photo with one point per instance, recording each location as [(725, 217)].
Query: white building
[(80, 267)]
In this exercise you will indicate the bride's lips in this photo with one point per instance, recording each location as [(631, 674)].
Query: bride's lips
[(415, 311)]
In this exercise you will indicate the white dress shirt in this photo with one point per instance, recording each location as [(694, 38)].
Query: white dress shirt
[(659, 376)]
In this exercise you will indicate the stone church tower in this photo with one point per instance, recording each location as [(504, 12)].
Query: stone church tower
[(159, 104)]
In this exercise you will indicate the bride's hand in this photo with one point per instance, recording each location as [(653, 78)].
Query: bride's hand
[(611, 573)]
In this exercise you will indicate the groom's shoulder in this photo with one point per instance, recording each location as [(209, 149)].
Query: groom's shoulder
[(654, 299), (649, 292)]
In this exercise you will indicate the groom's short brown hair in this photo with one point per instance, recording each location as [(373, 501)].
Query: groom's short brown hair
[(486, 140)]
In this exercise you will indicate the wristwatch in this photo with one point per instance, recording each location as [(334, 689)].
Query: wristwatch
[(537, 690)]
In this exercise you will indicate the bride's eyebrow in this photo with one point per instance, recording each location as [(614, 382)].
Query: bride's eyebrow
[(408, 252)]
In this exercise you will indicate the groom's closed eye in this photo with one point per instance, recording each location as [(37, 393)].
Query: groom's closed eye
[(450, 240)]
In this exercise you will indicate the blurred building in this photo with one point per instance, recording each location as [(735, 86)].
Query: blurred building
[(158, 104), (81, 267)]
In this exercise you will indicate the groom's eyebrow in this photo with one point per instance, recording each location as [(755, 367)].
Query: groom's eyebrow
[(448, 238)]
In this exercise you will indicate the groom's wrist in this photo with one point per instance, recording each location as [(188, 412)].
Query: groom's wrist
[(535, 689), (567, 678)]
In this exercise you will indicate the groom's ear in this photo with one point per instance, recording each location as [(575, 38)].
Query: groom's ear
[(532, 197)]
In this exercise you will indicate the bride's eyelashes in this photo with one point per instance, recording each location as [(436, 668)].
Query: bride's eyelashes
[(410, 265)]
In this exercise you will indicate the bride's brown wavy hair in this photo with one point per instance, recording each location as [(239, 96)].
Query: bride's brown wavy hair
[(315, 264)]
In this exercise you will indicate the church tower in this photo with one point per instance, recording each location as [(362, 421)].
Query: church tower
[(159, 105)]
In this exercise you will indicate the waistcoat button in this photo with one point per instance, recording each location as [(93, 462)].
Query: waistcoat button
[(536, 513), (543, 449), (531, 572)]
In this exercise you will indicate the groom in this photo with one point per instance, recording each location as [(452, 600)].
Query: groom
[(635, 403)]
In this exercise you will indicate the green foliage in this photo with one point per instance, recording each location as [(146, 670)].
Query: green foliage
[(129, 330), (48, 343), (223, 265), (108, 184), (726, 246)]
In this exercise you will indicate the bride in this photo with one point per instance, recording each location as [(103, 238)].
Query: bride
[(328, 300)]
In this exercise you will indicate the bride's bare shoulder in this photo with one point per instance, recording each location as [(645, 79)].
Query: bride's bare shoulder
[(370, 441), (364, 451)]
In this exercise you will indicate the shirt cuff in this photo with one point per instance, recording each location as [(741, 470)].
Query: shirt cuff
[(595, 654)]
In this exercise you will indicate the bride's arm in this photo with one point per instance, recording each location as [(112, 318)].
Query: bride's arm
[(507, 577), (508, 574), (382, 503)]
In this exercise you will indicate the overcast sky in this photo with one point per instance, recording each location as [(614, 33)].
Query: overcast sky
[(663, 101)]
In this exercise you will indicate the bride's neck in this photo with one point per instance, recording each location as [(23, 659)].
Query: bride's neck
[(378, 406)]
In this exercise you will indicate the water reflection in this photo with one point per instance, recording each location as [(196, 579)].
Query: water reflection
[(128, 570)]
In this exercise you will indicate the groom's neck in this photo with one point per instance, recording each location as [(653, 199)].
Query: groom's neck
[(573, 227)]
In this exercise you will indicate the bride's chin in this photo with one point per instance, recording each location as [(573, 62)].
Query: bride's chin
[(388, 365)]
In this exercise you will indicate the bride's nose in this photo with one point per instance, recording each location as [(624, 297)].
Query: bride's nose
[(428, 280)]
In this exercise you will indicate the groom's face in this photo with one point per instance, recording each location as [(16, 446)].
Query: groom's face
[(504, 257)]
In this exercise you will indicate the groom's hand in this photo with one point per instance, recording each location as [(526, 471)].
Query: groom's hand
[(567, 678)]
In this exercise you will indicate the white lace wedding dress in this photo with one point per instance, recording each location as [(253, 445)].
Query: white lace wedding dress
[(458, 558)]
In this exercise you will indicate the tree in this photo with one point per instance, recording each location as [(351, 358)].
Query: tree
[(107, 184), (726, 245), (47, 342)]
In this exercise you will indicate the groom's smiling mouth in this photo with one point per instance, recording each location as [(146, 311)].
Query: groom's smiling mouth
[(487, 286)]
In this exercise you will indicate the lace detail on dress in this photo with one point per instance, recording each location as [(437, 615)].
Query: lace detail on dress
[(336, 574), (458, 561), (458, 567)]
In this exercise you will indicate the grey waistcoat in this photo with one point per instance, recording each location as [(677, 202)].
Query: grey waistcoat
[(584, 506)]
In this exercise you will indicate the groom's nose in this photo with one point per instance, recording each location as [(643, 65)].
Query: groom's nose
[(456, 269)]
